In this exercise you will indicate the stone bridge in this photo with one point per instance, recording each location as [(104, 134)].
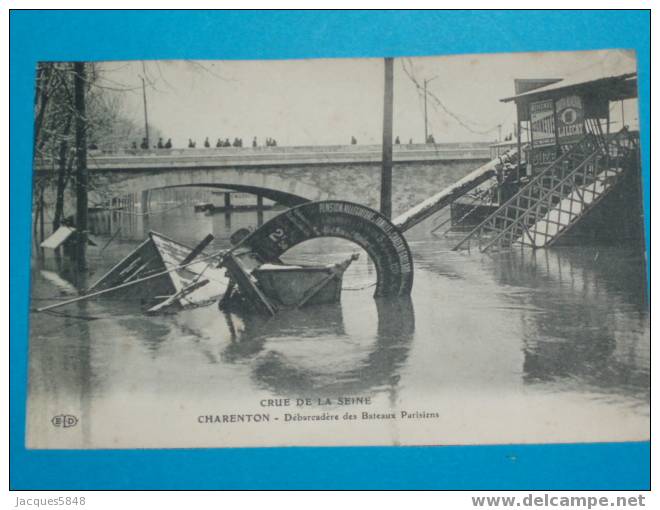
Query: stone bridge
[(287, 175)]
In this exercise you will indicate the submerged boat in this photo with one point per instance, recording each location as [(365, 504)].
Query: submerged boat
[(160, 280), (269, 287), (165, 274)]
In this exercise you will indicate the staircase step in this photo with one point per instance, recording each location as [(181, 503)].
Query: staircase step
[(569, 209)]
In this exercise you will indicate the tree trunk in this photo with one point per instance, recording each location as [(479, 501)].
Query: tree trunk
[(61, 176), (41, 101), (36, 217), (41, 215)]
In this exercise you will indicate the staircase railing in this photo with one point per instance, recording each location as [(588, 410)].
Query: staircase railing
[(574, 173), (577, 152), (545, 202)]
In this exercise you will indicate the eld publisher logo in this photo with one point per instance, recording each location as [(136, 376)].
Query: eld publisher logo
[(64, 420)]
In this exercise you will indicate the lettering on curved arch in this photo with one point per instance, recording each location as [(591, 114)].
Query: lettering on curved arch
[(362, 225)]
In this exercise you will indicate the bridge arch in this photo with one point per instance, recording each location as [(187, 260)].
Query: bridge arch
[(284, 189), (281, 197)]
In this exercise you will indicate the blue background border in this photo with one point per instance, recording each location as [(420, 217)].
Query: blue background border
[(86, 35)]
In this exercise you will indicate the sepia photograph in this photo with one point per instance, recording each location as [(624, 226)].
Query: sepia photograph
[(439, 250)]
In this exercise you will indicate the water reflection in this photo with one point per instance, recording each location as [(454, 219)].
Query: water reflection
[(249, 334), (591, 321), (376, 366)]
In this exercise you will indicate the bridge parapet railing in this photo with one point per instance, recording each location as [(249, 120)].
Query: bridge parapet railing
[(282, 156), (284, 149)]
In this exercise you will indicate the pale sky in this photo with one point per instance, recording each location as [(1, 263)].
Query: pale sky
[(321, 102)]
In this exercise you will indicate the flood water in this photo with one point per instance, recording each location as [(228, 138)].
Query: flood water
[(520, 347)]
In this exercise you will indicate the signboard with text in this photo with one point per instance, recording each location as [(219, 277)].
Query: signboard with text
[(544, 148), (570, 119), (543, 123)]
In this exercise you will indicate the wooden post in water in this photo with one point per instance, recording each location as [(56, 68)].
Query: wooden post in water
[(386, 172), (260, 210), (81, 161)]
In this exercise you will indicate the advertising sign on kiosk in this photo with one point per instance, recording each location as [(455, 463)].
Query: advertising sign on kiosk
[(544, 148), (570, 119)]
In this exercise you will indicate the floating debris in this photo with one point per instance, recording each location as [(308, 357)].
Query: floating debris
[(57, 238)]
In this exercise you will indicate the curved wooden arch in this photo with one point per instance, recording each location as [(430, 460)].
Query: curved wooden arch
[(333, 218)]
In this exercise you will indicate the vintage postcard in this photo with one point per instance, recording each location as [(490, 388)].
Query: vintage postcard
[(410, 251)]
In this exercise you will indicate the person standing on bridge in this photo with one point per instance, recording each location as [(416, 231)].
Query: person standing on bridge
[(160, 144), (144, 145), (191, 144), (397, 141), (254, 142), (207, 144), (353, 140), (218, 144), (168, 144), (227, 143)]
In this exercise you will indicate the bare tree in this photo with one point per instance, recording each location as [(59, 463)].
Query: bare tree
[(108, 127)]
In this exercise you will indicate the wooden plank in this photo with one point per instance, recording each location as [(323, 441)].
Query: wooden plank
[(198, 249), (432, 205), (247, 287), (57, 238), (176, 298)]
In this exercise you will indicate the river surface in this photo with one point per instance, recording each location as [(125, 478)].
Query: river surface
[(519, 347)]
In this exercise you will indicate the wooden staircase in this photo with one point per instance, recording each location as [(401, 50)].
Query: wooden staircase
[(557, 198)]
